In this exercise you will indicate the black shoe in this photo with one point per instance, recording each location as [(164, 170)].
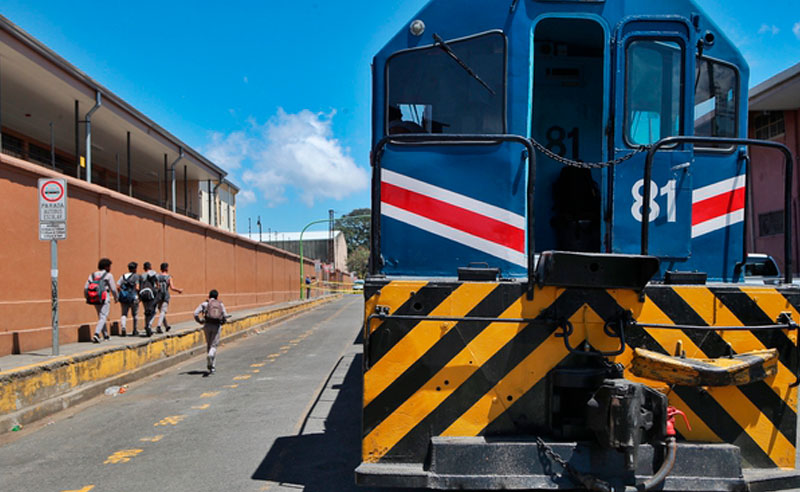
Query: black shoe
[(159, 330), (167, 327), (123, 334), (135, 333), (148, 332), (95, 339), (106, 337)]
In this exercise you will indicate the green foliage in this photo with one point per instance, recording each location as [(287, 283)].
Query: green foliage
[(355, 229), (357, 261)]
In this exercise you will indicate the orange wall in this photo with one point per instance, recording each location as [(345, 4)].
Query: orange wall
[(103, 223)]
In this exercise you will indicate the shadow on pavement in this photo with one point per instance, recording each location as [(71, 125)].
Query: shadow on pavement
[(205, 374), (322, 461)]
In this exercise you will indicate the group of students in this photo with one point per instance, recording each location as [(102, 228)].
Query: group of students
[(152, 289)]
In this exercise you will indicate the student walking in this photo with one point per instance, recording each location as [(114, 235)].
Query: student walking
[(128, 285), (148, 287), (96, 290), (165, 285), (214, 315)]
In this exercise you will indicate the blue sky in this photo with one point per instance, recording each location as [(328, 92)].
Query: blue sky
[(235, 82)]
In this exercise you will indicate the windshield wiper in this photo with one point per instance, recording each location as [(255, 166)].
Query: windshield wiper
[(444, 46)]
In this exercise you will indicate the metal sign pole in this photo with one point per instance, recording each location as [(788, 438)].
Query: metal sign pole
[(53, 227), (54, 291)]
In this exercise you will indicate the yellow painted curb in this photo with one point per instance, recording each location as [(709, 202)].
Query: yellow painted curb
[(33, 384)]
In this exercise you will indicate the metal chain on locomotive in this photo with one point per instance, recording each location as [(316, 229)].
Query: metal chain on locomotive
[(587, 165)]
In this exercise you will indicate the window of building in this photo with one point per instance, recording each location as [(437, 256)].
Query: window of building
[(38, 154), (653, 91), (769, 124), (770, 224), (715, 98), (431, 92), (13, 146)]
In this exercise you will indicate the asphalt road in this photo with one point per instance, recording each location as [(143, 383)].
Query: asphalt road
[(281, 413)]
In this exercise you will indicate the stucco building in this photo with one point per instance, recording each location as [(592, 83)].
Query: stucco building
[(774, 115)]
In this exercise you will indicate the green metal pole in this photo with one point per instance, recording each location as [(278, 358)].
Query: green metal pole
[(302, 260)]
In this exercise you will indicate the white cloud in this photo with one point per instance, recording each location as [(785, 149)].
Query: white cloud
[(769, 29), (796, 30), (228, 151), (290, 151), (245, 197)]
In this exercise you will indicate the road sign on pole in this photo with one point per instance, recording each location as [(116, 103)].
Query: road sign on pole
[(52, 194)]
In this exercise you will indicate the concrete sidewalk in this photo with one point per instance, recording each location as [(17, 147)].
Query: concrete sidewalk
[(37, 384)]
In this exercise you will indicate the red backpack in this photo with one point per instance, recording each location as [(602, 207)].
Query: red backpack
[(97, 293)]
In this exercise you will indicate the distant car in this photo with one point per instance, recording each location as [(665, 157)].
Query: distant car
[(761, 269), (358, 285)]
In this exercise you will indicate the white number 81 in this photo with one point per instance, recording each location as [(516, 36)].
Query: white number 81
[(655, 210)]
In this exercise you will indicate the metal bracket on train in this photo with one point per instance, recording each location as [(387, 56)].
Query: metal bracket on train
[(739, 369), (614, 328)]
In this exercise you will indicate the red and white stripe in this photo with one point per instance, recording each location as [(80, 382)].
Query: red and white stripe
[(718, 205), (453, 216)]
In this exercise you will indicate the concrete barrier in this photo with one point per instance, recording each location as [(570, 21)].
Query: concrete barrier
[(32, 392)]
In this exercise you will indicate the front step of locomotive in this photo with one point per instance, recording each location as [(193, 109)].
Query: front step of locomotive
[(501, 385)]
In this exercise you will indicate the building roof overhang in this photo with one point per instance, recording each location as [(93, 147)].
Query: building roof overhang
[(779, 93)]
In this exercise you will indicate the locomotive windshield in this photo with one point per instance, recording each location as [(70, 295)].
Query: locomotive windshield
[(429, 91)]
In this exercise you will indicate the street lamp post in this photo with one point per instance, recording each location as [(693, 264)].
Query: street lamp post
[(302, 260)]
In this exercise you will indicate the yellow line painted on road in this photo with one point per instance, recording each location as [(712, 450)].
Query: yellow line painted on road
[(152, 439), (231, 386), (88, 488), (201, 407), (241, 377), (255, 371), (274, 356), (171, 420), (260, 364), (122, 456), (285, 347), (209, 394)]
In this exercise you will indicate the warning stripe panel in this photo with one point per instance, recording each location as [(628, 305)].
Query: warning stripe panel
[(491, 378)]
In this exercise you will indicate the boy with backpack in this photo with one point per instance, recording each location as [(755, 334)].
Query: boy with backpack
[(96, 291), (128, 285), (148, 288), (164, 286), (214, 315)]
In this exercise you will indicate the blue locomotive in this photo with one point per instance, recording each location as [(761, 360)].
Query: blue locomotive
[(558, 200)]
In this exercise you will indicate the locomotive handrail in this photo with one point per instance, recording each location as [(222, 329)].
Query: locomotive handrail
[(787, 198), (448, 139)]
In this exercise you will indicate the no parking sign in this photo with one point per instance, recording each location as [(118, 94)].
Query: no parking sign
[(52, 209)]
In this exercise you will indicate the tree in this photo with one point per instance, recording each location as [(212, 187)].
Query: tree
[(355, 228), (357, 261)]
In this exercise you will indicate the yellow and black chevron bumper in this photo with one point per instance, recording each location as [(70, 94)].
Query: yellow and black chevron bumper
[(441, 363)]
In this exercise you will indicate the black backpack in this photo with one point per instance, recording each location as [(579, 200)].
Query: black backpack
[(147, 290)]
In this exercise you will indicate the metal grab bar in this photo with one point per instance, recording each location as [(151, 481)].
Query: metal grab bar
[(445, 139), (787, 199)]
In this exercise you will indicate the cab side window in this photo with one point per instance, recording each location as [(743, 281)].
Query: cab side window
[(653, 91)]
